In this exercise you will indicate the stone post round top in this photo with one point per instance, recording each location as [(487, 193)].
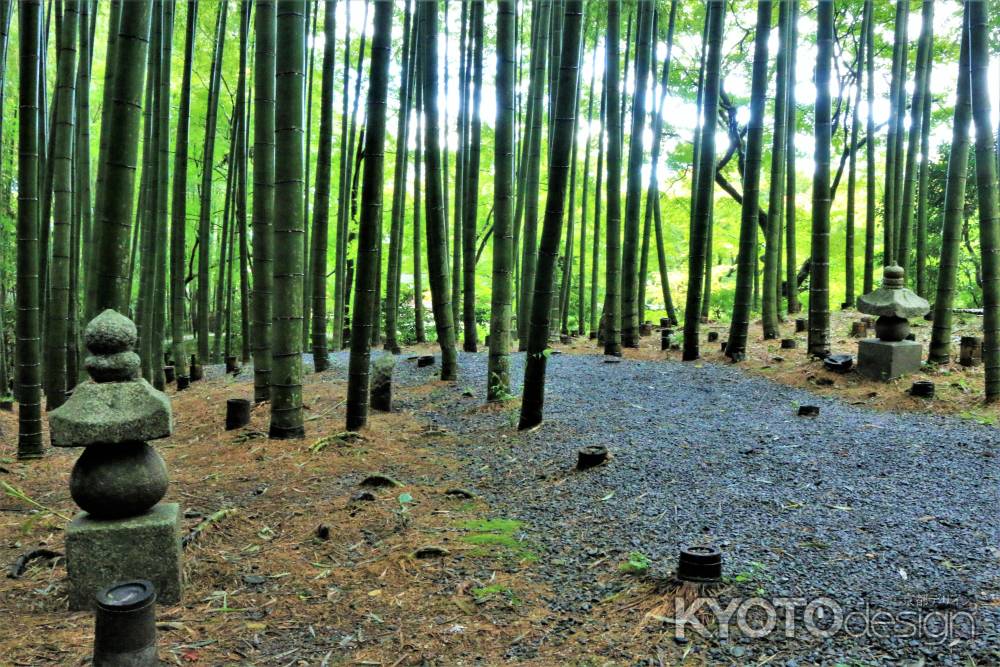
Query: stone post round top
[(893, 299), (118, 406)]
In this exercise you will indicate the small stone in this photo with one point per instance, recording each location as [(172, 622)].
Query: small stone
[(431, 551), (379, 481), (460, 493), (254, 579), (323, 531)]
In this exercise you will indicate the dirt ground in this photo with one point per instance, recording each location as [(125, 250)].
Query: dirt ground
[(298, 570), (294, 568)]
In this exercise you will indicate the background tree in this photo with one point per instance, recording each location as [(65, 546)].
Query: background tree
[(178, 206), (611, 321), (437, 255), (207, 170), (263, 195), (321, 208)]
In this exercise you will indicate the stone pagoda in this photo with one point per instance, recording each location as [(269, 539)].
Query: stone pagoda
[(119, 479), (890, 355)]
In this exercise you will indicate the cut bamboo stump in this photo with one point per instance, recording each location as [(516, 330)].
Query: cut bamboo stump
[(168, 374), (588, 457), (970, 351), (237, 413)]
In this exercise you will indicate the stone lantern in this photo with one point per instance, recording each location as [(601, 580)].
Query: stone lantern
[(119, 479), (890, 355)]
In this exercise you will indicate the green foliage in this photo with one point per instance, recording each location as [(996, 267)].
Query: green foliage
[(637, 563)]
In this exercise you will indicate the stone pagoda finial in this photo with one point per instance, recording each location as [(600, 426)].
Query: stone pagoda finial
[(122, 532)]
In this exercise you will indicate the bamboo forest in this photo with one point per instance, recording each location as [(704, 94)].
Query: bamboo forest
[(539, 332)]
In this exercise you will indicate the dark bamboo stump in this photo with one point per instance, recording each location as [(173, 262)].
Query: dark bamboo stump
[(789, 343), (237, 413), (970, 351), (699, 564), (713, 336), (183, 382), (425, 360), (588, 457), (801, 324), (168, 374), (922, 389), (808, 410), (7, 404)]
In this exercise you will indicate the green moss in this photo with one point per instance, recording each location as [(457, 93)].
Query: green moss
[(503, 526), (488, 535), (495, 590)]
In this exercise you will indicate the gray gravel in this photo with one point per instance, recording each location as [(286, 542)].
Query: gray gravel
[(889, 511)]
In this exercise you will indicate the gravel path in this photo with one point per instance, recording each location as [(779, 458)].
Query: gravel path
[(893, 512)]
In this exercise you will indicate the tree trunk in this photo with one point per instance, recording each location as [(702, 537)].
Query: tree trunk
[(62, 190), (27, 324), (747, 261), (613, 262), (321, 208), (498, 372), (371, 210), (771, 300), (470, 194), (819, 280), (437, 255), (921, 79), (986, 178), (852, 171), (633, 195), (791, 126), (529, 236), (703, 195), (533, 397), (286, 352), (399, 184), (116, 192), (893, 166), (954, 208), (869, 270), (207, 170), (263, 196)]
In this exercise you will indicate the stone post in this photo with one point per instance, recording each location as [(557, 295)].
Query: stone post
[(122, 532)]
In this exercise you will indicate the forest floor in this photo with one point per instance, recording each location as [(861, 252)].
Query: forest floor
[(877, 508)]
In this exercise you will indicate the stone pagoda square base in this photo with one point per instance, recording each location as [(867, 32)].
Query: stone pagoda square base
[(100, 552), (884, 360)]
